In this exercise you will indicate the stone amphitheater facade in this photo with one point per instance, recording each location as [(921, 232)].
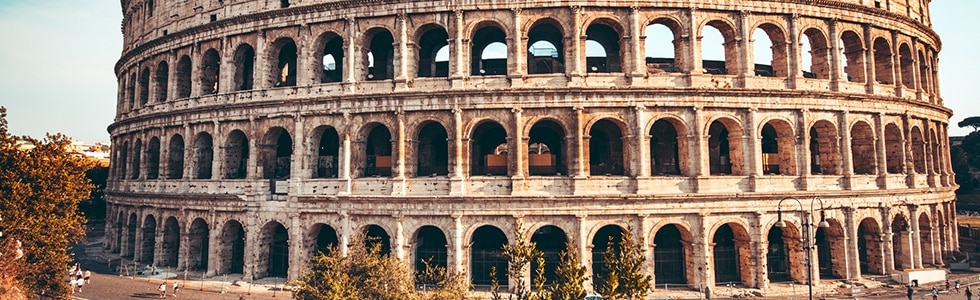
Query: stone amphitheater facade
[(250, 134)]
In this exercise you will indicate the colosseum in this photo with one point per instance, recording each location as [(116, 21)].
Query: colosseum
[(250, 134)]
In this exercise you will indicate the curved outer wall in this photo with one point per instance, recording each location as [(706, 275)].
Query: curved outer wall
[(248, 134)]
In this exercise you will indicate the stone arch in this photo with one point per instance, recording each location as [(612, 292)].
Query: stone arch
[(725, 147), (551, 240), (831, 250), (231, 248), (321, 238), (277, 153), (273, 257), (779, 65), (604, 239), (918, 150), (934, 152), (161, 81), (925, 237), (375, 234), (183, 76), (327, 152), (122, 156), (819, 53), (547, 146), (870, 240), (431, 40), (236, 155), (203, 155), (778, 147), (728, 35), (379, 60), (488, 149), (608, 147), (244, 63), (925, 73), (486, 252), (175, 163), (198, 242), (137, 159), (210, 72), (824, 149), (894, 149), (884, 68), (606, 33), (130, 251), (485, 34), (902, 242), (784, 255), (863, 150), (331, 57), (669, 147), (431, 247), (731, 250), (377, 151), (153, 158), (148, 251), (432, 150), (546, 48), (170, 247), (906, 65), (676, 62), (284, 53), (144, 83), (853, 50), (673, 255)]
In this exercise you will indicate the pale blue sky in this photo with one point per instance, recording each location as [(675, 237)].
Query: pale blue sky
[(57, 58)]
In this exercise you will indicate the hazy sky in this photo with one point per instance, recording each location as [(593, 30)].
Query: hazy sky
[(57, 58)]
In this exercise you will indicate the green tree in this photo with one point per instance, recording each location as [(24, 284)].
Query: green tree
[(624, 277), (970, 122), (569, 276), (519, 256), (40, 188), (365, 273)]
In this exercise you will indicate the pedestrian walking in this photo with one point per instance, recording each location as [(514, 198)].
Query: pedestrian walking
[(909, 292), (80, 284), (72, 283), (969, 294), (87, 276), (163, 290), (935, 293), (175, 287), (956, 285)]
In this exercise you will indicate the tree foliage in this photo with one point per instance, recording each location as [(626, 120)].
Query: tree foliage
[(365, 273), (970, 122), (569, 276), (519, 256), (623, 270), (40, 189)]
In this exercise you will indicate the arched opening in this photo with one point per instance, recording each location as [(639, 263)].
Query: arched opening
[(546, 147), (430, 248), (778, 148), (275, 251), (332, 60), (545, 53), (730, 242), (284, 73), (608, 238), (184, 77), (278, 153), (907, 65), (377, 150), (171, 243), (551, 241), (870, 254), (488, 150), (831, 250), (153, 158), (137, 159), (149, 240), (926, 240), (884, 70), (433, 41), (486, 253), (819, 54), (231, 248), (327, 153), (144, 82), (934, 152), (210, 72), (918, 151), (853, 62), (122, 157), (130, 251), (770, 51), (925, 72), (863, 149), (244, 67), (902, 243), (380, 58), (894, 149), (662, 53), (602, 54), (116, 248), (198, 237), (606, 149), (724, 146), (433, 150), (375, 235), (670, 255), (131, 91), (322, 239), (175, 163), (824, 149), (236, 155), (664, 149), (203, 156), (161, 81), (719, 51), (489, 52)]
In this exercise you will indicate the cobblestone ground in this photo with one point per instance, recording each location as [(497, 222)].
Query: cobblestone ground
[(108, 283)]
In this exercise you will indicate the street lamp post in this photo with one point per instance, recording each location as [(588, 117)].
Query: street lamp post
[(808, 244)]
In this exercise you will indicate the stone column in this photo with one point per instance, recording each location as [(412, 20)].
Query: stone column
[(457, 39), (697, 144), (345, 232), (835, 56), (584, 248), (576, 45), (458, 254), (642, 143), (638, 57), (252, 249), (692, 55), (580, 170), (402, 73), (518, 51), (457, 186), (400, 245), (879, 128), (803, 147), (350, 66), (897, 77), (217, 152), (914, 239), (254, 172), (297, 256), (189, 140), (520, 147), (853, 254), (847, 167), (399, 172), (795, 63), (743, 44), (214, 254), (870, 79), (751, 145)]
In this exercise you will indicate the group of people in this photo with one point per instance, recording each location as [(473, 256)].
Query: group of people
[(78, 278), (163, 289), (935, 291)]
